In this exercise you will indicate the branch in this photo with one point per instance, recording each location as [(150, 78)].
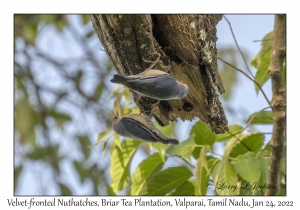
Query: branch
[(278, 103), (238, 46), (253, 80)]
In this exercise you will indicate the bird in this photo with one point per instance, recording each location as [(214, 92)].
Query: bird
[(153, 83), (140, 127)]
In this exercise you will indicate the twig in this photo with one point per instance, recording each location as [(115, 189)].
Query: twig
[(253, 80), (264, 40), (237, 139), (238, 46), (279, 103)]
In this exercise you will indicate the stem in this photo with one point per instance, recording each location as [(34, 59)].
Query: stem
[(278, 103)]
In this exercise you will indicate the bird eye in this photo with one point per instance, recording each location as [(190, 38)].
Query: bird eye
[(115, 117)]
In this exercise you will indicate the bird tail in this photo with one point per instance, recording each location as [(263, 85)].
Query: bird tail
[(118, 79), (170, 141)]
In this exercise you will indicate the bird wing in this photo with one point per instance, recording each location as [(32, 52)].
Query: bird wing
[(140, 131)]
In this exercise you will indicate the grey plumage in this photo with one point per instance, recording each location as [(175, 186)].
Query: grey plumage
[(140, 127), (153, 83)]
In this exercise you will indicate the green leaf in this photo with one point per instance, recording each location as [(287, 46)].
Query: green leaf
[(185, 189), (166, 180), (264, 168), (264, 117), (126, 95), (227, 178), (246, 143), (115, 91), (161, 148), (266, 43), (64, 189), (203, 134), (98, 91), (109, 190), (262, 61), (60, 117), (262, 74), (184, 148), (101, 138), (46, 154), (86, 19), (82, 171), (202, 173), (17, 172), (120, 163), (145, 170), (233, 130), (30, 31), (248, 167), (85, 142)]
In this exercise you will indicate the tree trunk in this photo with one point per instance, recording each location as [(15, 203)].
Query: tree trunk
[(187, 44)]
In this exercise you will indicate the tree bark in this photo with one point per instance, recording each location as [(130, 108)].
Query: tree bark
[(187, 44), (278, 103)]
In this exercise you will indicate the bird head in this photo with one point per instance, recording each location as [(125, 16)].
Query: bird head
[(183, 91)]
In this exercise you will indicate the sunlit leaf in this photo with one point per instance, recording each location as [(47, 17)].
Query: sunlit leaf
[(101, 137), (233, 130), (166, 180), (115, 91), (248, 167), (126, 95), (264, 117), (262, 74), (145, 170), (246, 143), (184, 148), (117, 108), (120, 164), (161, 148), (262, 61), (227, 177), (264, 169), (202, 173), (126, 111), (117, 140), (203, 135)]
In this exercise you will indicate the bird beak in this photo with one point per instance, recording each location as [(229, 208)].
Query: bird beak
[(117, 113)]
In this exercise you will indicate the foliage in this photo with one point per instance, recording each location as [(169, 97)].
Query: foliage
[(57, 111)]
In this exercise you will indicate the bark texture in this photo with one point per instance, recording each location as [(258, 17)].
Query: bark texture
[(278, 102), (187, 44)]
